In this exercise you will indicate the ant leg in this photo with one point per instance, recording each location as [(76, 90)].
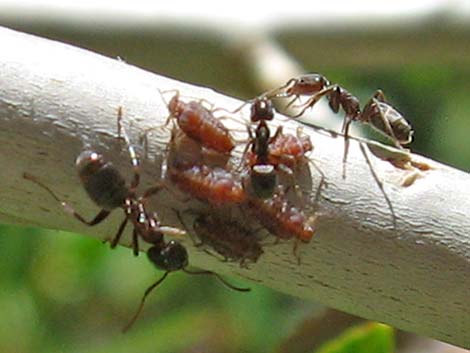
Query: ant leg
[(118, 235), (221, 259), (379, 184), (142, 302), (134, 158), (135, 242), (231, 286), (101, 216)]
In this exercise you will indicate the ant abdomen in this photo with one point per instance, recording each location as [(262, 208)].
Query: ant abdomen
[(101, 180)]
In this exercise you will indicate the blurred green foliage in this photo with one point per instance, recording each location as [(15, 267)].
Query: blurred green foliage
[(366, 338), (67, 293)]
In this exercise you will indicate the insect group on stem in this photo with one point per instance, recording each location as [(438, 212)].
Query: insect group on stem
[(254, 189)]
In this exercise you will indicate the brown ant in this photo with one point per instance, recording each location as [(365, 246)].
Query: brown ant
[(280, 218), (171, 257), (200, 124), (228, 238), (377, 112), (107, 188)]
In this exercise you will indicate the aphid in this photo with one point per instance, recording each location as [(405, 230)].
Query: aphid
[(215, 186), (282, 219), (200, 124), (171, 257), (107, 188), (228, 238)]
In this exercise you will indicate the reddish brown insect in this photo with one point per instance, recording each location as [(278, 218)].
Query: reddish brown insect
[(282, 219), (215, 186), (228, 238), (200, 124)]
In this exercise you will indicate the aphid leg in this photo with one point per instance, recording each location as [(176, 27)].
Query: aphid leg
[(142, 302), (231, 286), (295, 250), (185, 226), (101, 216), (208, 252), (379, 183)]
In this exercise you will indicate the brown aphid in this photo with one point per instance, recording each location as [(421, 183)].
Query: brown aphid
[(282, 219), (200, 124), (228, 238), (215, 186)]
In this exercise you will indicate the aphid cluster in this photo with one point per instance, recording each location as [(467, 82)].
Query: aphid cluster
[(257, 188)]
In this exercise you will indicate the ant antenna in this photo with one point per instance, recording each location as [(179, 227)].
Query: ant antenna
[(142, 302), (231, 286)]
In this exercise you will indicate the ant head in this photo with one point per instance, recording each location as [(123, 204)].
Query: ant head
[(89, 162), (308, 84), (171, 257), (263, 179), (262, 109)]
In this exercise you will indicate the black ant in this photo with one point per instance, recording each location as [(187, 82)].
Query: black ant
[(268, 154), (171, 257), (107, 188), (263, 176)]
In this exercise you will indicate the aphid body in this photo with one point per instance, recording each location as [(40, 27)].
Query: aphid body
[(200, 124), (228, 238), (215, 186)]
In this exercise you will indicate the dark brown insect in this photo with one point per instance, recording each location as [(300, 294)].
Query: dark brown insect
[(171, 257), (377, 112), (200, 124), (107, 188), (229, 239), (282, 219), (270, 154), (263, 177)]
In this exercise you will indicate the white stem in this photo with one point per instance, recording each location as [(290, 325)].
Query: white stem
[(56, 100)]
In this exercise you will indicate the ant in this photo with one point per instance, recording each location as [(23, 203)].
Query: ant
[(377, 112), (200, 124), (270, 154), (228, 238), (107, 188), (282, 219), (171, 257)]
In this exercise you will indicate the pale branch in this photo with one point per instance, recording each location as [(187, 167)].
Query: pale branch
[(56, 100)]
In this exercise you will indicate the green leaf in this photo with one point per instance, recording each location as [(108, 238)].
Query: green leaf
[(366, 338)]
